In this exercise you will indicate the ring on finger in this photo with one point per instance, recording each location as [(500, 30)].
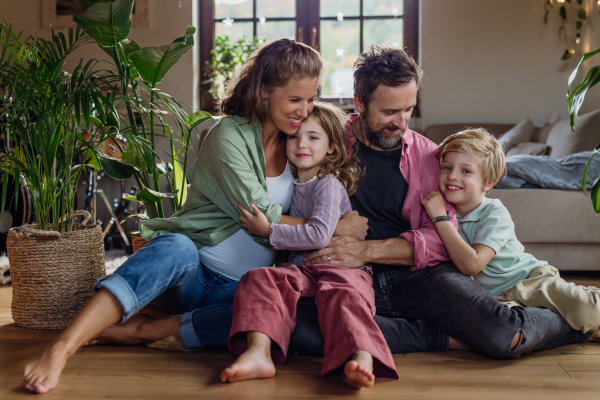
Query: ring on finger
[(328, 258)]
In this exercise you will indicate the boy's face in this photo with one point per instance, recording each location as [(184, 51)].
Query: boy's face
[(461, 182)]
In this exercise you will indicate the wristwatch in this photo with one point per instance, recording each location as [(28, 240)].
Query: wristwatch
[(442, 218)]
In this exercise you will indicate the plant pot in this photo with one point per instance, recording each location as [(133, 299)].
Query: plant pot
[(53, 273), (137, 241)]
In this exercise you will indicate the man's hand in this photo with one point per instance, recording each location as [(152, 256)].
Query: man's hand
[(352, 225), (434, 205), (341, 251), (256, 223)]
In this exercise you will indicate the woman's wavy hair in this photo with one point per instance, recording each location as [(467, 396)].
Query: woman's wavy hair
[(268, 67), (345, 167)]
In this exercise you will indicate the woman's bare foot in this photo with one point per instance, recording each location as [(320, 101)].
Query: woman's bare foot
[(141, 329), (254, 363), (359, 370), (41, 375)]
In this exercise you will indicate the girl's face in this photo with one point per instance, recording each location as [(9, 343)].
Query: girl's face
[(308, 147), (289, 105)]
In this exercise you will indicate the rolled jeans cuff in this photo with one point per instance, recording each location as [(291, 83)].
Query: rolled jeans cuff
[(119, 287), (187, 331)]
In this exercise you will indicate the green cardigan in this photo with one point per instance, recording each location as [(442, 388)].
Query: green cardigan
[(230, 169)]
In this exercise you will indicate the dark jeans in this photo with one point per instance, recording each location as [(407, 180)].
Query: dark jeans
[(415, 308)]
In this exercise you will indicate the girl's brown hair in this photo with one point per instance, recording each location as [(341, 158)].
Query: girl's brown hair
[(268, 67), (346, 169)]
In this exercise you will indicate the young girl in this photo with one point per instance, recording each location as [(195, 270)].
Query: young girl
[(264, 310)]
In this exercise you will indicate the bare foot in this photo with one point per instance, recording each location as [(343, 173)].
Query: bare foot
[(454, 344), (359, 371), (142, 330), (41, 375), (254, 363), (595, 337)]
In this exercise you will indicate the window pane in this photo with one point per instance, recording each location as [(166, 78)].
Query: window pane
[(330, 8), (340, 47), (383, 31), (276, 30), (233, 9), (276, 8), (383, 7), (235, 31)]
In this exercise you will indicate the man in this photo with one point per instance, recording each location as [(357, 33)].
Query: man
[(414, 281)]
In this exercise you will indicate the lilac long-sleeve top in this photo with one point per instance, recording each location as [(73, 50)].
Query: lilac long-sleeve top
[(323, 201)]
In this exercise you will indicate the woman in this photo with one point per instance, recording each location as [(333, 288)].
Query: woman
[(242, 162)]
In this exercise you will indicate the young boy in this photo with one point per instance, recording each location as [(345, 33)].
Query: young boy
[(485, 245)]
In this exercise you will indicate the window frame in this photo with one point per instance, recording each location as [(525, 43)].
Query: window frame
[(308, 21)]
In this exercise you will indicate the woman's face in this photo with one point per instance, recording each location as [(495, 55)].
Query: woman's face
[(290, 104)]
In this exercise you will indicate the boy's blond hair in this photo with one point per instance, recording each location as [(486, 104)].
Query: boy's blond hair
[(480, 144)]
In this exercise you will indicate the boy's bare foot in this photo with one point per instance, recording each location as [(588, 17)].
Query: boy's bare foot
[(41, 375), (359, 370), (254, 363)]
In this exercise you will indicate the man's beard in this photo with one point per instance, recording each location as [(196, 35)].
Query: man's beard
[(378, 137)]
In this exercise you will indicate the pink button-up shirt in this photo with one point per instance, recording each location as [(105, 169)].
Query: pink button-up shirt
[(421, 171)]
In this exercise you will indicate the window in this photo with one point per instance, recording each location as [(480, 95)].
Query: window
[(339, 29)]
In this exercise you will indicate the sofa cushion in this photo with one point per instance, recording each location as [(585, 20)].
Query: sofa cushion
[(528, 148), (438, 132), (521, 133), (563, 142)]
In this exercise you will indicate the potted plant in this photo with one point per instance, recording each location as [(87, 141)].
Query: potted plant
[(574, 102)]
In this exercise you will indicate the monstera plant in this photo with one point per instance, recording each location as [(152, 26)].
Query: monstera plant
[(144, 114), (574, 101)]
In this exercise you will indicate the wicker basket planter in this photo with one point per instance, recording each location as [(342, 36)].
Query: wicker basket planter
[(137, 242), (53, 273)]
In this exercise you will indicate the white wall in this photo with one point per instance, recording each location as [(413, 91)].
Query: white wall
[(496, 61)]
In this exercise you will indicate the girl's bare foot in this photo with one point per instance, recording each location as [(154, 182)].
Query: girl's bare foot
[(254, 363), (41, 375), (359, 370)]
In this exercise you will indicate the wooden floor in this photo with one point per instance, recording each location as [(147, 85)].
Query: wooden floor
[(569, 372)]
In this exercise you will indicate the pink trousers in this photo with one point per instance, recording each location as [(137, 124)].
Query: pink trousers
[(265, 301)]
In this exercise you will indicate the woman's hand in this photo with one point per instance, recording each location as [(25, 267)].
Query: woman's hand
[(352, 225), (434, 205), (256, 223)]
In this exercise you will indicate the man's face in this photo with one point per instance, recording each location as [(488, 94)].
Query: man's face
[(386, 117)]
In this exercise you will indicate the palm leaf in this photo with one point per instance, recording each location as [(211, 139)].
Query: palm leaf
[(107, 21)]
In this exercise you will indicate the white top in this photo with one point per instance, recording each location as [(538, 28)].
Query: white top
[(239, 253)]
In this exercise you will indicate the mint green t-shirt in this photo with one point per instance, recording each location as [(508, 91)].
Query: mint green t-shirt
[(490, 224)]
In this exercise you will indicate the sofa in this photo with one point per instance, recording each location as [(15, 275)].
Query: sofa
[(558, 226)]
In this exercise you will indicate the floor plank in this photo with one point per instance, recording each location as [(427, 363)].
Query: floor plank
[(139, 372)]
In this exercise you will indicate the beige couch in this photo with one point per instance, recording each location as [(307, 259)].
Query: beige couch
[(558, 226)]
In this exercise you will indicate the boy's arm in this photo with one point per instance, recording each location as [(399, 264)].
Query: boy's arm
[(468, 260)]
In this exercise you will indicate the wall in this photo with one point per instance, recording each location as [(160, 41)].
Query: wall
[(496, 61)]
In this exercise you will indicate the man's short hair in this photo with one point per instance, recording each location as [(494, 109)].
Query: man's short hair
[(385, 65), (481, 145)]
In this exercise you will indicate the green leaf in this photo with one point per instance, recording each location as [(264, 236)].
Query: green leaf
[(581, 14), (115, 168), (198, 117), (4, 189), (180, 183), (578, 25), (108, 22), (154, 62), (148, 195), (129, 197), (595, 196), (563, 12), (585, 171), (575, 99)]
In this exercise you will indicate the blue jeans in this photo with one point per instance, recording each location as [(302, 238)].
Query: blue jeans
[(441, 299), (167, 273)]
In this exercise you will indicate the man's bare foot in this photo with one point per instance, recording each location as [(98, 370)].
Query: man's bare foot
[(595, 337), (254, 363), (142, 329), (454, 344), (41, 375), (359, 370)]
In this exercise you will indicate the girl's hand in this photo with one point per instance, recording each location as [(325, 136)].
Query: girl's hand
[(256, 223), (434, 205)]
